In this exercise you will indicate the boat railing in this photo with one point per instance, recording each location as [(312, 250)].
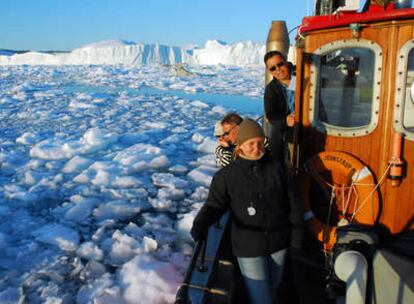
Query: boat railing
[(200, 247)]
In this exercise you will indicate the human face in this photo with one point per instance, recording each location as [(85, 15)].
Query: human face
[(253, 148), (230, 132), (279, 68)]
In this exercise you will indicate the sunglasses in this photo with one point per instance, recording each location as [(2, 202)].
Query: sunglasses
[(229, 131), (278, 65)]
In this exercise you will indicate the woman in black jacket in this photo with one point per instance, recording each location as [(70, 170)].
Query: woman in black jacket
[(265, 222)]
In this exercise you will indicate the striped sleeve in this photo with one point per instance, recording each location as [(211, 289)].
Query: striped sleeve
[(267, 144), (224, 156)]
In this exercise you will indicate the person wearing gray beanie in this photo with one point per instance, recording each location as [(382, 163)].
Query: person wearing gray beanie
[(248, 129), (265, 220), (250, 140)]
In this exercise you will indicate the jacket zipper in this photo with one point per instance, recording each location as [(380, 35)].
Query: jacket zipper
[(266, 232)]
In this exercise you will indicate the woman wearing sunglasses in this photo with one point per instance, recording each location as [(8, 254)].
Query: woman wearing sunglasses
[(227, 138), (279, 100)]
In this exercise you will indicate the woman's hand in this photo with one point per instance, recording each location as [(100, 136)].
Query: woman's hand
[(223, 143), (198, 233)]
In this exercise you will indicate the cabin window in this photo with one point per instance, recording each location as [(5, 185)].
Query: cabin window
[(345, 82), (345, 96), (404, 93), (408, 121)]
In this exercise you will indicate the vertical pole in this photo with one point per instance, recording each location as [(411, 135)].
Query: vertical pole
[(201, 266), (277, 40)]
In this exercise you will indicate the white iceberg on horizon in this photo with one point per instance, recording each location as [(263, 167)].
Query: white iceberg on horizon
[(118, 51)]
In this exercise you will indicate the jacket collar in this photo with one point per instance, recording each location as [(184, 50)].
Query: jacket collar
[(251, 163)]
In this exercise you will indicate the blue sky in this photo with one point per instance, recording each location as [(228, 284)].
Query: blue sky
[(68, 24)]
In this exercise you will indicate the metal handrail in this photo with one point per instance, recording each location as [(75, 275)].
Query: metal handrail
[(200, 247), (201, 266)]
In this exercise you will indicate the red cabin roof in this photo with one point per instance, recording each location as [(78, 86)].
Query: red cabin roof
[(375, 13)]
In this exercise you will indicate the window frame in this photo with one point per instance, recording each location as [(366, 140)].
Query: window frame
[(400, 89), (314, 92)]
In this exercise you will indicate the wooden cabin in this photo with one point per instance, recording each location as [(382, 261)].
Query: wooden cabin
[(355, 76)]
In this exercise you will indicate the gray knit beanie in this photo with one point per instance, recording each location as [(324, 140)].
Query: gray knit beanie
[(248, 129)]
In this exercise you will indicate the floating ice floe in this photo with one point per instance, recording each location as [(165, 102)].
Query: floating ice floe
[(146, 278), (103, 290), (162, 204), (184, 225), (141, 157), (200, 104), (93, 140), (117, 210), (63, 237), (207, 145), (89, 250), (197, 138), (124, 247), (81, 209), (168, 180), (27, 138), (200, 194), (76, 164), (202, 174), (19, 194)]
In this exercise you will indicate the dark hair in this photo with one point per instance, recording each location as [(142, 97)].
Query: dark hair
[(232, 119), (273, 53)]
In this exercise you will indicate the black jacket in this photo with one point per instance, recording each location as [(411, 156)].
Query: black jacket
[(276, 111), (275, 105), (263, 186)]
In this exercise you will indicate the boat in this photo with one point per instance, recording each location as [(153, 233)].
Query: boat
[(353, 157)]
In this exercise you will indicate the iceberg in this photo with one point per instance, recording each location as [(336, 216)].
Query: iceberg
[(113, 52)]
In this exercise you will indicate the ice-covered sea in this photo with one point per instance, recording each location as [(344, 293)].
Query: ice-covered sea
[(102, 169)]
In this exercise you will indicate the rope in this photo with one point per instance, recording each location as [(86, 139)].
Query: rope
[(344, 208), (300, 33), (355, 203), (346, 199), (343, 188), (374, 189), (353, 190)]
